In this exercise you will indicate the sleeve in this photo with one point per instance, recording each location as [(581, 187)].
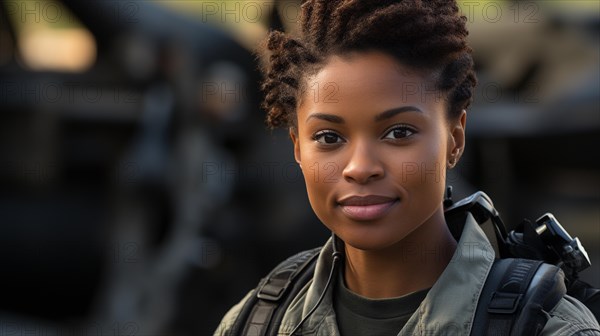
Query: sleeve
[(225, 327), (571, 318)]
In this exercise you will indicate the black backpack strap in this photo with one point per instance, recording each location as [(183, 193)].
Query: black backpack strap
[(546, 289), (515, 297), (495, 276), (263, 311)]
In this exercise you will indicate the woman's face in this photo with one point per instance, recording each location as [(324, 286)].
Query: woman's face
[(373, 142)]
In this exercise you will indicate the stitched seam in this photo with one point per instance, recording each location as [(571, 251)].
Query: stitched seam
[(478, 295), (573, 325)]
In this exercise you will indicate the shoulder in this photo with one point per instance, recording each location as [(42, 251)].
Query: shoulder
[(226, 327), (571, 317), (279, 283)]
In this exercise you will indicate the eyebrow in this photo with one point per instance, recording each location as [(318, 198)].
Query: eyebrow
[(390, 113), (327, 117), (380, 117)]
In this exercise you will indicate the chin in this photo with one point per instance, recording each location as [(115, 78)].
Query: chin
[(368, 241)]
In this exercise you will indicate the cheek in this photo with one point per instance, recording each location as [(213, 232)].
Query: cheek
[(321, 172), (320, 175), (422, 168), (317, 192)]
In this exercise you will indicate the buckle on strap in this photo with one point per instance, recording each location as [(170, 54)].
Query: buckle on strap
[(273, 287), (504, 303)]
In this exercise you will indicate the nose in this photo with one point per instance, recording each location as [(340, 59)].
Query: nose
[(364, 165)]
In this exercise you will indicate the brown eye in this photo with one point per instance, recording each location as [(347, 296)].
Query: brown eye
[(400, 132), (327, 137)]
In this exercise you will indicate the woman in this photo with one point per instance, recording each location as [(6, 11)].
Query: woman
[(374, 94)]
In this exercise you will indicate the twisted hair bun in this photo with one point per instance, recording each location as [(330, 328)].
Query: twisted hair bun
[(425, 34)]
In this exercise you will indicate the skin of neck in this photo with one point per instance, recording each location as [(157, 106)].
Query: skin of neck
[(414, 263)]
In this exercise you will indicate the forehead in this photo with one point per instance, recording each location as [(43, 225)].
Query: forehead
[(370, 80)]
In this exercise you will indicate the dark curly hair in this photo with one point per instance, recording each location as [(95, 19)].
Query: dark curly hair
[(424, 34)]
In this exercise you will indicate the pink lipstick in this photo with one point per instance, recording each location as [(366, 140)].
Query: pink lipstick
[(365, 208)]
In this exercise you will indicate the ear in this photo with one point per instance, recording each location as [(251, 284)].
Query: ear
[(296, 142), (456, 145)]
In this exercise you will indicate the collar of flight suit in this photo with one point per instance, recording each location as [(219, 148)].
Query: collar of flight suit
[(448, 308)]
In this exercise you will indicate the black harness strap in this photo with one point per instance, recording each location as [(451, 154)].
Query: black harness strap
[(502, 296), (545, 291), (282, 284), (259, 318), (506, 300), (480, 322)]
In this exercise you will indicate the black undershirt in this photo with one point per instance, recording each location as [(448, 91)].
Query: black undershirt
[(357, 315)]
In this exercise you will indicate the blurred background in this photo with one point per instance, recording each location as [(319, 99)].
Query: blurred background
[(140, 193)]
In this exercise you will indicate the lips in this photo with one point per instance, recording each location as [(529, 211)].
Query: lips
[(364, 208)]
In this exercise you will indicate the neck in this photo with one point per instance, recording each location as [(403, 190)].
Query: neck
[(413, 264)]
